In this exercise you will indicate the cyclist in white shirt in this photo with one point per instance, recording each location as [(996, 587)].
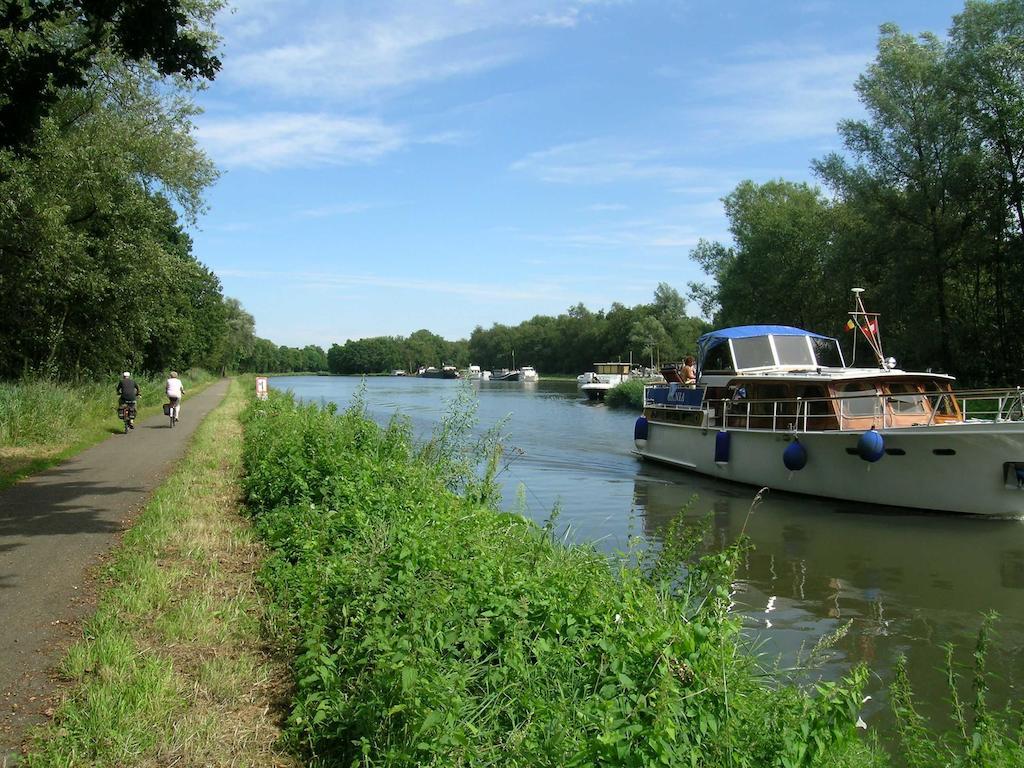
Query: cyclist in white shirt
[(175, 390)]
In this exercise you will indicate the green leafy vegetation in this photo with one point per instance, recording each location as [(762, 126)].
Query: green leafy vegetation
[(51, 45), (627, 394), (99, 173), (980, 736), (429, 629)]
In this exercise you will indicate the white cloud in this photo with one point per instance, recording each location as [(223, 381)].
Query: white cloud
[(599, 161), (630, 235), (771, 94), (606, 207), (419, 287), (359, 49), (277, 140), (335, 209)]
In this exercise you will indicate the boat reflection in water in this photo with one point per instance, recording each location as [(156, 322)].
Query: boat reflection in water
[(908, 582)]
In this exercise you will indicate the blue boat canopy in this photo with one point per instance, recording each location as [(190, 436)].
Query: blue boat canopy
[(760, 354)]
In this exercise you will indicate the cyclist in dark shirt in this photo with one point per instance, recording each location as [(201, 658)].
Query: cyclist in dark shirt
[(128, 391)]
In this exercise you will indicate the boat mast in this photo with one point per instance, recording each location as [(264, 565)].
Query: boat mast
[(867, 324)]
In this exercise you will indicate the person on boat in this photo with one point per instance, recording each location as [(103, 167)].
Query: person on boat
[(689, 372)]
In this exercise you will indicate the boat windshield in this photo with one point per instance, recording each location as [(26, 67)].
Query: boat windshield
[(794, 350), (826, 352), (754, 352), (791, 351)]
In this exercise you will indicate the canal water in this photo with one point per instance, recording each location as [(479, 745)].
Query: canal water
[(899, 583)]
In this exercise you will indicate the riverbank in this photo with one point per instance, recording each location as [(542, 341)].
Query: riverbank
[(44, 422), (173, 668), (428, 628), (424, 627)]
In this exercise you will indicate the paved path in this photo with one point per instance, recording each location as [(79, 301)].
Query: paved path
[(53, 527)]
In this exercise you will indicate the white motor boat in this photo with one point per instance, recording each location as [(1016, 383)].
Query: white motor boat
[(777, 406), (605, 376), (528, 373), (474, 373)]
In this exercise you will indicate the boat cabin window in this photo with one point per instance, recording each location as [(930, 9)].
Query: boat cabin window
[(770, 400), (857, 398), (905, 397), (942, 399), (820, 404), (754, 352), (794, 350), (718, 359), (826, 352)]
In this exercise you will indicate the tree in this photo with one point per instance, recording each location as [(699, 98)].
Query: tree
[(52, 45), (776, 271), (239, 339), (650, 337), (986, 60), (918, 169)]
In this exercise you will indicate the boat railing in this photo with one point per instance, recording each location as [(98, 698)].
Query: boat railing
[(790, 415), (844, 411), (995, 405)]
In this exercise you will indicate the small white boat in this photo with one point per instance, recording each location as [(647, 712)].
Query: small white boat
[(528, 373), (605, 376), (474, 373), (777, 406)]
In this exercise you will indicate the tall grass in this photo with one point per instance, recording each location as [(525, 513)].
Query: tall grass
[(429, 629), (45, 412), (42, 421), (981, 737)]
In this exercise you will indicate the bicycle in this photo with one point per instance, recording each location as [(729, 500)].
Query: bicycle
[(171, 410), (126, 412)]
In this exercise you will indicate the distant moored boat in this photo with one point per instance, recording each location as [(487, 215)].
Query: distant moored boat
[(444, 372)]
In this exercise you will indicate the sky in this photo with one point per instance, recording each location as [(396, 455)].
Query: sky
[(388, 166)]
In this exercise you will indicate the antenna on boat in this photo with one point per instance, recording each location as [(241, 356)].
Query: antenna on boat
[(867, 324)]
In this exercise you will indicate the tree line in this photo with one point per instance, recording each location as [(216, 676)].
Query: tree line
[(99, 172), (925, 211), (569, 343)]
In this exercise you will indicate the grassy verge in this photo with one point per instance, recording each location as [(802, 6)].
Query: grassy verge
[(172, 669), (42, 422), (429, 629)]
